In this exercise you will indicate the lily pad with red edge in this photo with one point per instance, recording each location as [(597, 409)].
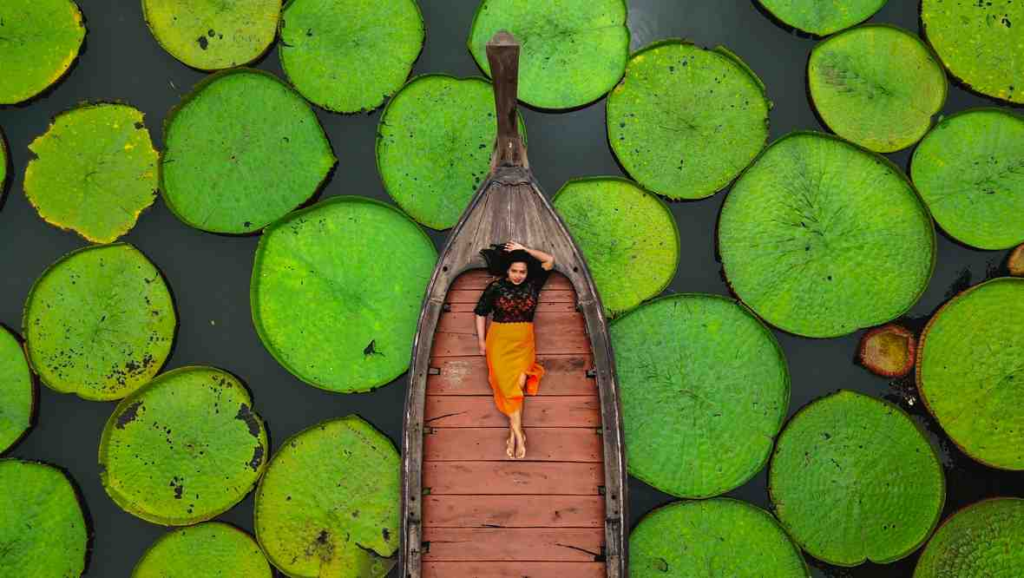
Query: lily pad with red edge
[(42, 39), (888, 350), (970, 374), (42, 524), (183, 449), (17, 391), (95, 171), (207, 550), (822, 17), (329, 503), (983, 539), (1015, 263), (4, 161)]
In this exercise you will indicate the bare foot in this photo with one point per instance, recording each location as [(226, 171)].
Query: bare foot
[(520, 444), (510, 446)]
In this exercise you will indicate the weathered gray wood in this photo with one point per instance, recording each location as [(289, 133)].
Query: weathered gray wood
[(510, 206)]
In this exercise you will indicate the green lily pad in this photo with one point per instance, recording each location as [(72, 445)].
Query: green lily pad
[(572, 52), (685, 121), (17, 391), (243, 149), (970, 375), (41, 39), (183, 449), (95, 171), (704, 388), (983, 539), (213, 34), (362, 267), (329, 502), (628, 237), (99, 322), (712, 538), (42, 527), (822, 238), (350, 56), (877, 86), (854, 479), (207, 550), (4, 161), (822, 18), (980, 43), (970, 171), (434, 145)]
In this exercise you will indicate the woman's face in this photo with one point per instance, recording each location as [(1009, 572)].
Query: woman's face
[(517, 272)]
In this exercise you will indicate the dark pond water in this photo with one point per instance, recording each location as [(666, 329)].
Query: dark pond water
[(209, 274)]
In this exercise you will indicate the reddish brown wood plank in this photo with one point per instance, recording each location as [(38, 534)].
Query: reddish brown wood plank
[(564, 322), (551, 411), (512, 477), (513, 569), (522, 511), (563, 375), (479, 278), (471, 296), (534, 544), (488, 443), (555, 333)]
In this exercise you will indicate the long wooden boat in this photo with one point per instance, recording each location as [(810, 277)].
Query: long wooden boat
[(467, 509)]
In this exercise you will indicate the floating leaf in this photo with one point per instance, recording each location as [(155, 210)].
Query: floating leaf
[(213, 34), (888, 350), (362, 267), (1015, 262), (329, 502), (979, 44), (572, 52), (970, 171), (970, 375), (821, 238), (41, 39), (684, 121), (207, 550), (712, 538), (99, 322), (704, 389), (434, 145), (183, 449), (983, 539), (4, 161), (350, 56), (42, 528), (95, 171), (17, 391), (628, 237), (877, 86), (243, 149), (854, 479), (822, 17)]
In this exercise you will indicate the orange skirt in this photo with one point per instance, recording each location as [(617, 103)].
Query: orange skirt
[(511, 351)]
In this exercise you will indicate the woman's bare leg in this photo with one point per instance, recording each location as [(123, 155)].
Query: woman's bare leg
[(510, 447), (517, 424)]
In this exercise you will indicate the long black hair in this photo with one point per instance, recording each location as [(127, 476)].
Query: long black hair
[(499, 260)]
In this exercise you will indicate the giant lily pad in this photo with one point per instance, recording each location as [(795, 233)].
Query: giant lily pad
[(243, 149), (877, 86), (628, 236), (822, 17), (712, 538), (207, 550), (213, 34), (183, 449), (361, 267), (980, 43), (684, 121), (95, 171), (822, 238), (983, 539), (329, 502), (854, 479), (970, 375), (434, 145), (41, 39), (99, 322), (573, 51), (350, 56), (42, 528), (970, 171), (704, 389), (17, 391)]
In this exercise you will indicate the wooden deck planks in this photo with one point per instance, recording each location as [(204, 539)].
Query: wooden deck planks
[(502, 544), (478, 411), (516, 511), (512, 477), (563, 375), (513, 569)]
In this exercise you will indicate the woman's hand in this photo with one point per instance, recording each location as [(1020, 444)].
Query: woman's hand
[(483, 347), (513, 246)]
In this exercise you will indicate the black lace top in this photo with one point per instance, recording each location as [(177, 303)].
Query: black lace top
[(512, 303)]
